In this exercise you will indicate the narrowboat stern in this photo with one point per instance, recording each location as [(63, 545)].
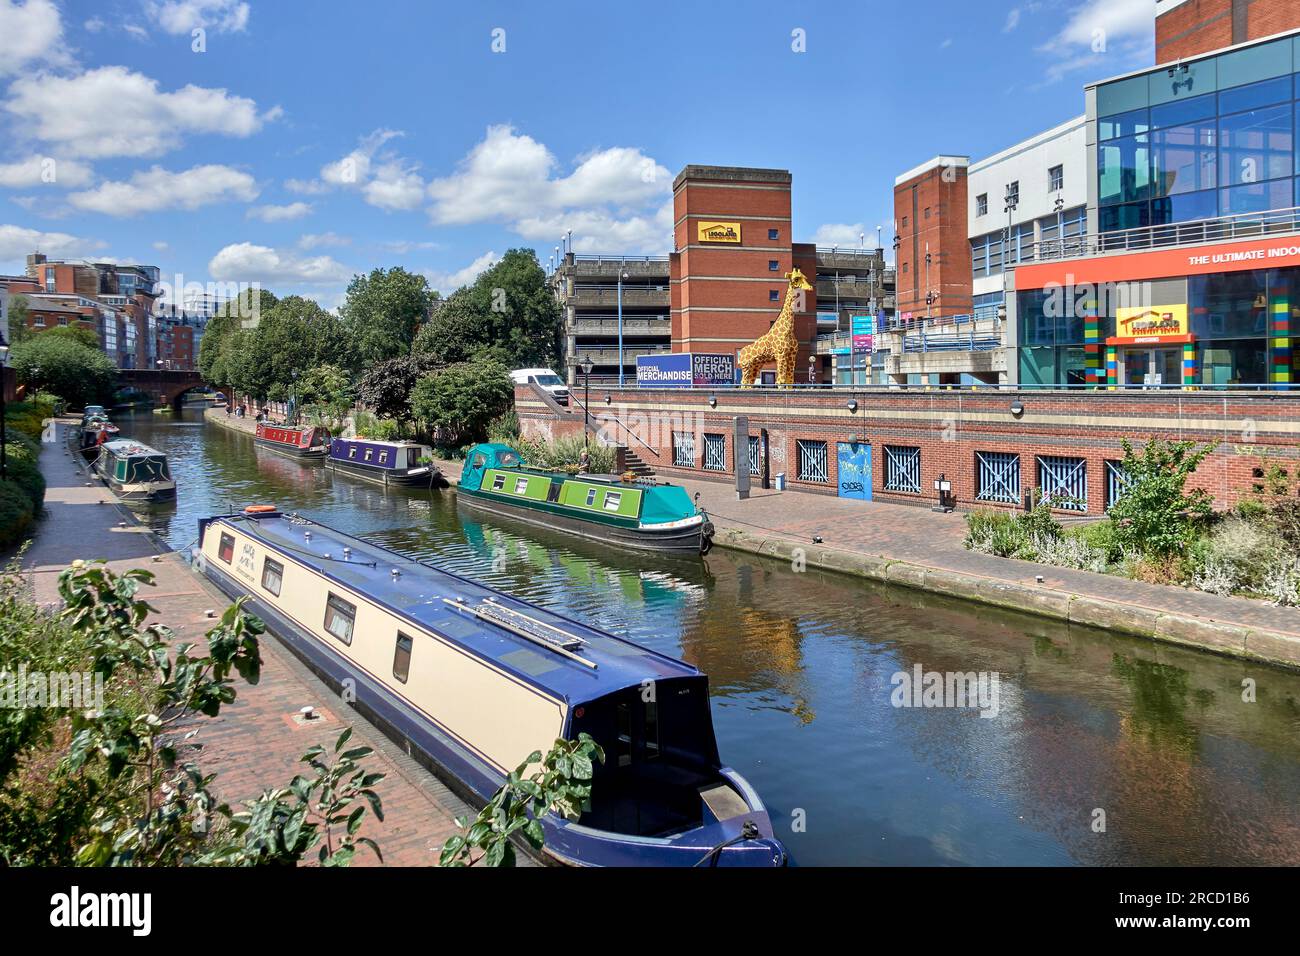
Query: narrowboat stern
[(135, 472)]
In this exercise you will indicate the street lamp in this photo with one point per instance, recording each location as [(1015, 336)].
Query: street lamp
[(812, 364), (621, 276), (586, 401), (4, 431)]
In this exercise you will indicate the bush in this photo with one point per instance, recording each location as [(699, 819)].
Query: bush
[(504, 428), (1100, 536), (28, 477), (1281, 583), (367, 425), (1237, 555), (80, 374), (16, 513), (1156, 515), (562, 454)]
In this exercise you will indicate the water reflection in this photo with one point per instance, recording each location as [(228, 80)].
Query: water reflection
[(1157, 737)]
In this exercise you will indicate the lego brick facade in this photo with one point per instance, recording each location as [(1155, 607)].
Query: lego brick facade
[(1195, 27), (722, 290), (930, 218), (950, 429)]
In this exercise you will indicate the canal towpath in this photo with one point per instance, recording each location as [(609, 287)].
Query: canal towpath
[(256, 742), (915, 547)]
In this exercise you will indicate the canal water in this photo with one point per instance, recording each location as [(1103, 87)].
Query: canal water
[(1104, 749)]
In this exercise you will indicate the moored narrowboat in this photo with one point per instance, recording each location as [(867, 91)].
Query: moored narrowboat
[(309, 443), (638, 514), (474, 680), (95, 430), (134, 471), (384, 462)]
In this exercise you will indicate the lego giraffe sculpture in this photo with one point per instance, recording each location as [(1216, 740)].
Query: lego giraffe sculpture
[(778, 344)]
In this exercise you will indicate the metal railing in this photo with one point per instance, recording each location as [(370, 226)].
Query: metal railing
[(966, 341), (1242, 225), (915, 323), (612, 259)]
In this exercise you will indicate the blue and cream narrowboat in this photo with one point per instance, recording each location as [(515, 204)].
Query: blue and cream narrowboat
[(308, 443), (474, 680), (134, 471), (384, 462), (638, 514)]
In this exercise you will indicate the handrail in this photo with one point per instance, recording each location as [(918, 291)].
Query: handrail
[(1214, 229), (587, 257), (610, 415)]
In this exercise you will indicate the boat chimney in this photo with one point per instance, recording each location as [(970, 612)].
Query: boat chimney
[(306, 535), (395, 573), (347, 553)]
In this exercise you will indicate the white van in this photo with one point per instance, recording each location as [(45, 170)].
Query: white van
[(544, 378)]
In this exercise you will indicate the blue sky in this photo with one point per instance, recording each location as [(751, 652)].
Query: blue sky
[(305, 142)]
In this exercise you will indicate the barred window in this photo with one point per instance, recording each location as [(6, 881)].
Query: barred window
[(997, 476), (1064, 481), (684, 449), (715, 453), (902, 468), (812, 461)]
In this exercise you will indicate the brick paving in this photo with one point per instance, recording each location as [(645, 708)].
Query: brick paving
[(256, 742)]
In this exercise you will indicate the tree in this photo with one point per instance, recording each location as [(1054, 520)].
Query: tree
[(459, 402), (1155, 514), (292, 336), (386, 387), (76, 333), (59, 364), (325, 393), (509, 313), (18, 329), (382, 312)]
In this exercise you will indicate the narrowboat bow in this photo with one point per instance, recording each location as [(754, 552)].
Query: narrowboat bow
[(639, 514), (384, 462), (134, 471), (476, 680), (307, 444)]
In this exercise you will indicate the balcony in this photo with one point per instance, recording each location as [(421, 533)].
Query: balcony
[(1245, 225), (610, 356), (607, 327), (606, 297)]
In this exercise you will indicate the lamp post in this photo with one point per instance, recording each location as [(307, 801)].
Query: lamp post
[(586, 400), (812, 364), (621, 276)]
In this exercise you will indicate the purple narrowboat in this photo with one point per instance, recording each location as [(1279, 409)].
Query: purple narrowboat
[(384, 462)]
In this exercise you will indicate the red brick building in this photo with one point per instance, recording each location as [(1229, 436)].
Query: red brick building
[(931, 244), (728, 276), (1186, 28)]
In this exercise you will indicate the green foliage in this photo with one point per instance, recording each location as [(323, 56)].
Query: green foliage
[(509, 314), (323, 811), (504, 428), (16, 513), (562, 785), (110, 784), (19, 331), (386, 387), (1156, 515), (291, 338), (76, 333), (368, 426), (563, 454), (325, 393), (83, 376), (458, 402), (382, 312)]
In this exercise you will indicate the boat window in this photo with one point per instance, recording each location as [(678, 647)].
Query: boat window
[(352, 451), (521, 485), (340, 616), (612, 500), (553, 492), (227, 549), (479, 460), (651, 729), (624, 714), (591, 496), (498, 482), (383, 457), (402, 658), (507, 459), (272, 575), (369, 453)]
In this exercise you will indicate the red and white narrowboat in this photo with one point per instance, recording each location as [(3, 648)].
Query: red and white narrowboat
[(307, 442)]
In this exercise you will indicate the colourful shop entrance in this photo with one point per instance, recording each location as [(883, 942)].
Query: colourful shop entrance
[(1153, 348)]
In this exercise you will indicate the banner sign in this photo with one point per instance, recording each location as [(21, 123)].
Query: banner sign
[(1159, 323), (719, 231), (684, 370), (864, 327)]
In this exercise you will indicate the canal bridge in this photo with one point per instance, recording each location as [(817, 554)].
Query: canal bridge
[(164, 386)]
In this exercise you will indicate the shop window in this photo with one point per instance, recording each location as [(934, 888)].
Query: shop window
[(1254, 95)]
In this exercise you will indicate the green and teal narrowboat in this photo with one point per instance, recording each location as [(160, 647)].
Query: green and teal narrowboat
[(134, 471), (638, 514)]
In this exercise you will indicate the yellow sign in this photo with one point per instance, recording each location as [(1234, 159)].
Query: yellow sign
[(719, 232), (1151, 323)]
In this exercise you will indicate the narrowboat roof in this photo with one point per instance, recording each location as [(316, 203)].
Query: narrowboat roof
[(400, 443), (130, 448), (421, 593)]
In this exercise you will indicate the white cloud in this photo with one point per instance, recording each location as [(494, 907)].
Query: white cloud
[(1108, 36), (33, 34), (246, 262), (317, 240), (385, 180), (94, 25), (840, 234), (306, 187), (161, 246), (136, 31), (17, 241), (183, 16), (354, 168), (158, 189), (404, 246), (112, 111), (448, 282), (946, 42), (294, 210), (44, 170), (394, 186), (600, 231), (1013, 20)]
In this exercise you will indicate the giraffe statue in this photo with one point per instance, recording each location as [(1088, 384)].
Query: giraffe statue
[(778, 343)]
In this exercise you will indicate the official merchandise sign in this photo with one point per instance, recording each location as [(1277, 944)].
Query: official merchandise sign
[(712, 369), (671, 370)]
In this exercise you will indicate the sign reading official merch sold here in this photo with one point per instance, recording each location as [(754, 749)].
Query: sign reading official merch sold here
[(684, 369)]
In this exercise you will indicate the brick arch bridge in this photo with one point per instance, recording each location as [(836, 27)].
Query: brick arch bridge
[(164, 386)]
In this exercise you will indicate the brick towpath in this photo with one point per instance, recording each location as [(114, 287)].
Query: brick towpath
[(255, 743), (915, 547)]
